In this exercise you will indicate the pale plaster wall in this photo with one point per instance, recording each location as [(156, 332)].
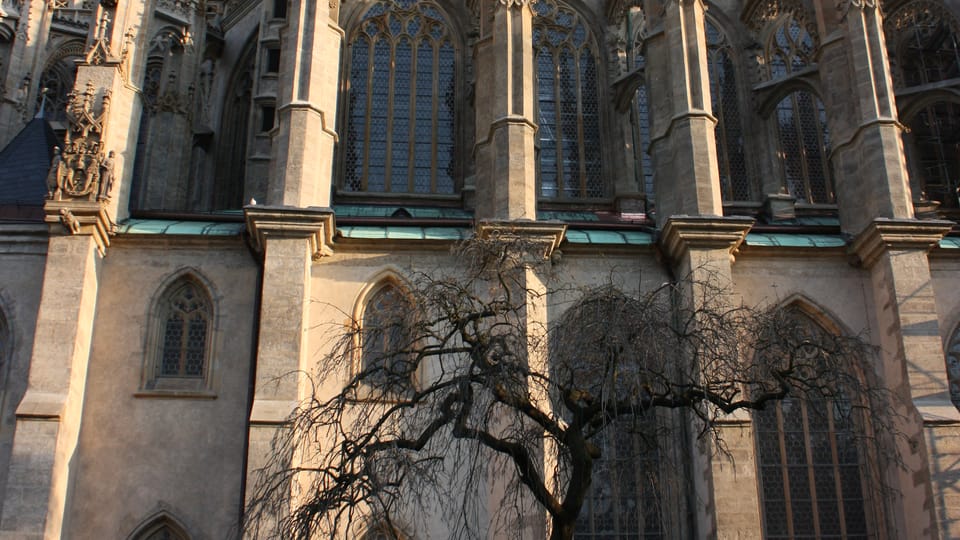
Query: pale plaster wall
[(138, 455)]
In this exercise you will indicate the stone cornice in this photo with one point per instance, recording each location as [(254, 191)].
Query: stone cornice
[(545, 234), (682, 233), (884, 234), (80, 217), (316, 224)]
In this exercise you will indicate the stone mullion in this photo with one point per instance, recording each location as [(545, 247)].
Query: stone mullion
[(391, 86), (434, 118)]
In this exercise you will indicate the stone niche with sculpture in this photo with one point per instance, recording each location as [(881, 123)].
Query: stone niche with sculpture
[(83, 168)]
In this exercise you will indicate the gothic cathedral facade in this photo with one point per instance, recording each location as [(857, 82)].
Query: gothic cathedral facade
[(191, 191)]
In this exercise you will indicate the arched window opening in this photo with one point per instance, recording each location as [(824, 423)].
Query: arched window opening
[(57, 80), (388, 362), (233, 137), (182, 337), (400, 135), (734, 182), (810, 466), (804, 147), (933, 152), (163, 527), (791, 48), (640, 123), (923, 38), (568, 88)]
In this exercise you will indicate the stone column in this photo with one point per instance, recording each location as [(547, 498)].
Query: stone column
[(506, 126), (302, 152), (44, 457), (683, 144), (290, 240), (700, 250), (911, 352), (868, 159)]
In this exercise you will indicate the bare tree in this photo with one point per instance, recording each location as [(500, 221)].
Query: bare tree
[(454, 378)]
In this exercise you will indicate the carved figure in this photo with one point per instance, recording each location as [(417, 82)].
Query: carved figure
[(106, 175), (69, 221), (54, 188)]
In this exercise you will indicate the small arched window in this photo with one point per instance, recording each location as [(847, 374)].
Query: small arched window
[(810, 466), (734, 183), (400, 134), (568, 87), (388, 341), (182, 337), (161, 527)]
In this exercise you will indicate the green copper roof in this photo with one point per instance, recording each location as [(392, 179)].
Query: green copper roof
[(630, 238), (357, 210), (375, 232), (950, 242), (189, 228), (795, 240)]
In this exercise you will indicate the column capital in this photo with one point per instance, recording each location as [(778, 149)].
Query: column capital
[(81, 218), (543, 234), (884, 234), (683, 233), (316, 224)]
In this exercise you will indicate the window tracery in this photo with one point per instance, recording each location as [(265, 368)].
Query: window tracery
[(735, 184), (810, 467), (791, 48), (182, 337), (401, 114), (640, 120), (568, 104)]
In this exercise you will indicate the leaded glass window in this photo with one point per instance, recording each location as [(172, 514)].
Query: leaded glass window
[(640, 122), (624, 500), (386, 335), (568, 104), (804, 146), (923, 40), (734, 182), (184, 331), (791, 48), (810, 468), (401, 134)]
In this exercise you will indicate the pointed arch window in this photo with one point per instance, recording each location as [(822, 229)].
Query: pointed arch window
[(163, 527), (57, 80), (182, 336), (387, 340), (401, 116), (810, 466), (791, 48), (568, 89), (734, 182), (923, 40), (640, 119)]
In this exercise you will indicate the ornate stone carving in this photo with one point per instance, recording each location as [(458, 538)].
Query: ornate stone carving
[(84, 169), (759, 13), (843, 6), (99, 51), (516, 3)]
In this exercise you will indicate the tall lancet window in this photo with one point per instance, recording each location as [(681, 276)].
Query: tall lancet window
[(800, 118), (568, 87), (400, 133), (923, 39), (734, 182), (810, 465)]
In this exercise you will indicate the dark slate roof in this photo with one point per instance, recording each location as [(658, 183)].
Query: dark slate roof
[(24, 164)]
